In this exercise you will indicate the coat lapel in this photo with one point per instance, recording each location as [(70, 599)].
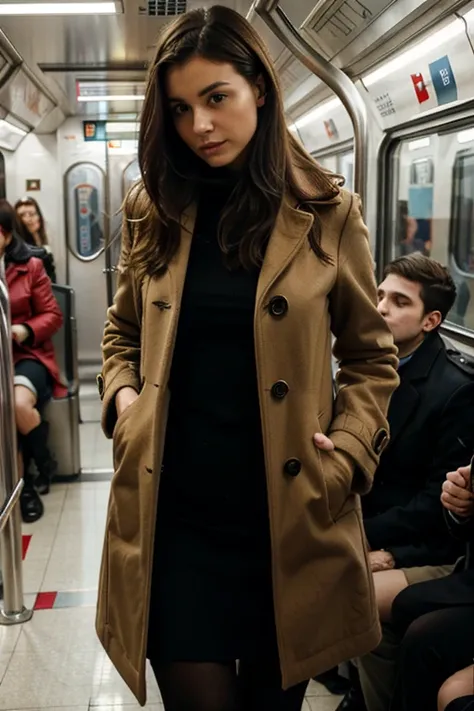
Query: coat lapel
[(291, 229)]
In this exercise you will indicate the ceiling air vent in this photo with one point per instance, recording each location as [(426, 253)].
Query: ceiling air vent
[(164, 8)]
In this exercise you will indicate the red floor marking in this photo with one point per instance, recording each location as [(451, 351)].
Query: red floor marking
[(45, 600), (25, 542)]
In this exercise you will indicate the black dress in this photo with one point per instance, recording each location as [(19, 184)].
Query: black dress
[(212, 593)]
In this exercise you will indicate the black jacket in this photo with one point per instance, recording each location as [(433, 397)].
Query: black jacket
[(463, 530), (431, 418)]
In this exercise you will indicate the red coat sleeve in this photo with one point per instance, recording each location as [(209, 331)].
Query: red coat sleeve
[(46, 316)]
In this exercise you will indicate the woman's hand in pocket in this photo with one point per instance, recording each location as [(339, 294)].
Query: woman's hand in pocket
[(124, 398), (338, 470)]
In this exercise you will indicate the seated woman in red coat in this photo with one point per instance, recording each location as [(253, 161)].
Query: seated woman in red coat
[(35, 318)]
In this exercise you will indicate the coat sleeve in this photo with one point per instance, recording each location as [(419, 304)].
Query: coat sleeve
[(366, 353), (46, 316), (460, 528), (410, 531), (121, 340)]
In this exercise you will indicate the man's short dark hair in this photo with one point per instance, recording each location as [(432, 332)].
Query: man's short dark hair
[(438, 290), (7, 217)]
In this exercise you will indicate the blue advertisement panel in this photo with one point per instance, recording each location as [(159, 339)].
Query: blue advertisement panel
[(444, 81)]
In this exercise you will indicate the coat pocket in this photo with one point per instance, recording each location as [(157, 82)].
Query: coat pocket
[(337, 476)]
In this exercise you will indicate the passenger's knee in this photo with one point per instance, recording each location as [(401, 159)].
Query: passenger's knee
[(27, 416), (459, 685), (406, 607)]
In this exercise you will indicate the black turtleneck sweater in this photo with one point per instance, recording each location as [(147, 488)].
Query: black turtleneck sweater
[(214, 473)]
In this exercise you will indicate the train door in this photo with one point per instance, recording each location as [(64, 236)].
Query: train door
[(86, 230), (122, 172)]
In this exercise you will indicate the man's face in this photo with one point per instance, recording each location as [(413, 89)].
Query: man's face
[(400, 304)]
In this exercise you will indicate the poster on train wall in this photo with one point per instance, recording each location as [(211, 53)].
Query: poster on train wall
[(85, 196), (413, 84)]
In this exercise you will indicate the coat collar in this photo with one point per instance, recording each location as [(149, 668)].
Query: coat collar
[(291, 228)]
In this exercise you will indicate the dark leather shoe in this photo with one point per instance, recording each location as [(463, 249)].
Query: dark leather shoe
[(333, 682), (31, 505), (352, 701)]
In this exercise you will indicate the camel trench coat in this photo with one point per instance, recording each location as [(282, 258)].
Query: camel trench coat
[(323, 592)]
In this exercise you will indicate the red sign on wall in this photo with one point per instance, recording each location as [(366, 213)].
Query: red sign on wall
[(421, 89)]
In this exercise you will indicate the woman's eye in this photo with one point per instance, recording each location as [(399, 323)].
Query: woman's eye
[(179, 109), (217, 98)]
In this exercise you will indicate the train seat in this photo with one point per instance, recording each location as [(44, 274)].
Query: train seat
[(63, 413)]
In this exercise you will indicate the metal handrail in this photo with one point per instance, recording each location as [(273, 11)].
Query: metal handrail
[(13, 611), (335, 78), (7, 508)]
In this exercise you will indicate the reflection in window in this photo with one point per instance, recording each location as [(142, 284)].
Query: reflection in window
[(415, 214)]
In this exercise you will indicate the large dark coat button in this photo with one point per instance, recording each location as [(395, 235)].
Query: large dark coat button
[(292, 467), (279, 389), (278, 306)]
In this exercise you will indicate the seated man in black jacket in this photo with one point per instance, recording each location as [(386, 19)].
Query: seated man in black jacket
[(431, 417), (434, 623)]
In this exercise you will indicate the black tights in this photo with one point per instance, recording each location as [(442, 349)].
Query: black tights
[(206, 686)]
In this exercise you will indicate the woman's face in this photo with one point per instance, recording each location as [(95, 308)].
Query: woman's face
[(214, 110), (30, 218)]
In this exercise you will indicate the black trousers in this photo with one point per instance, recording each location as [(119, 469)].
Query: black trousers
[(436, 621)]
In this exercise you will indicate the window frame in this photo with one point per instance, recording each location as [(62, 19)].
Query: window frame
[(441, 120)]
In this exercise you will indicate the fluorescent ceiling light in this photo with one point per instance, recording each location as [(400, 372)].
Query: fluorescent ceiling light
[(117, 127), (112, 97), (412, 55), (318, 111), (420, 143), (58, 8), (10, 127), (466, 136)]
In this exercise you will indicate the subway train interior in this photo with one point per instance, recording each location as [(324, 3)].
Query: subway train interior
[(379, 91)]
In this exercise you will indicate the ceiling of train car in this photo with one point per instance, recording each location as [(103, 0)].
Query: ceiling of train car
[(110, 51), (107, 55)]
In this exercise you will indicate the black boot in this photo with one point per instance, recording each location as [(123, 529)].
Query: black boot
[(354, 698), (37, 443), (31, 506)]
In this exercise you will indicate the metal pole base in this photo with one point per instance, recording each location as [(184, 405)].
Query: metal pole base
[(15, 618)]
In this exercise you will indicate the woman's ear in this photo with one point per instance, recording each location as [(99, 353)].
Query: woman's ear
[(261, 93)]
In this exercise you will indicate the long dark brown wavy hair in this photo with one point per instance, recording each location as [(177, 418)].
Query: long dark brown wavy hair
[(172, 174), (23, 229)]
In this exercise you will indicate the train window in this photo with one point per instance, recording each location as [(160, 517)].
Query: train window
[(462, 223), (433, 209), (3, 190), (346, 168)]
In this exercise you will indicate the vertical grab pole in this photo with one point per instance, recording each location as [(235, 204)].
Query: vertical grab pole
[(13, 612), (331, 75)]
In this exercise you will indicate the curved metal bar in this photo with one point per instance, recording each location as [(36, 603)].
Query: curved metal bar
[(13, 611), (334, 77)]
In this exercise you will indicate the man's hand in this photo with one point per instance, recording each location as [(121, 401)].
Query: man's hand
[(381, 560), (456, 495)]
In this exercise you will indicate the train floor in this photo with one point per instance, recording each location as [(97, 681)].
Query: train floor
[(54, 661)]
